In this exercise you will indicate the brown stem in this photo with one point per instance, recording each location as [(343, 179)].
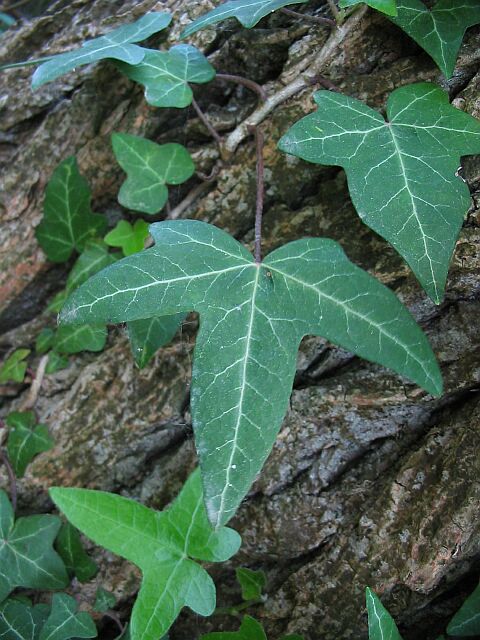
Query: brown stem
[(210, 176), (325, 82), (246, 82), (305, 16), (260, 143), (189, 199), (37, 381), (213, 132), (12, 478)]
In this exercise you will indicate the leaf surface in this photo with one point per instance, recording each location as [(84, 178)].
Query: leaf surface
[(70, 548), (251, 582), (117, 44), (26, 439), (402, 174), (56, 362), (389, 7), (90, 337), (147, 336), (44, 340), (94, 258), (162, 544), (250, 629), (104, 600), (466, 622), (129, 238), (150, 167), (14, 367), (21, 621), (381, 625), (64, 622)]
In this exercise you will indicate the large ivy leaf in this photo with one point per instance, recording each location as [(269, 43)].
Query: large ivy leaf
[(166, 74), (14, 367), (466, 622), (401, 173), (247, 12), (27, 558), (94, 258), (116, 44), (68, 221), (77, 562), (130, 238), (90, 337), (250, 629), (64, 622), (389, 7), (26, 439), (147, 336), (252, 319), (160, 544), (150, 167), (381, 625), (251, 582), (440, 30), (20, 621)]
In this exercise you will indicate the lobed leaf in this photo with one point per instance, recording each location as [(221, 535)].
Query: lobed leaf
[(381, 625), (129, 238), (14, 367), (44, 340), (20, 621), (90, 337), (251, 582), (69, 547), (389, 7), (26, 439), (56, 362), (104, 600), (466, 622), (64, 622), (147, 336), (94, 258)]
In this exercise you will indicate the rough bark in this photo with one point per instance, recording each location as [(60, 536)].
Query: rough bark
[(371, 481)]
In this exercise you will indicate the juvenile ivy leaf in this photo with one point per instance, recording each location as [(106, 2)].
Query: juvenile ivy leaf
[(77, 562), (381, 625), (389, 7), (129, 238), (402, 173), (94, 258), (440, 30), (20, 621), (116, 44), (64, 622), (14, 367), (44, 340), (56, 362), (160, 544), (104, 600), (27, 558), (466, 622), (68, 221), (26, 439), (166, 74), (250, 629), (57, 302), (90, 337), (150, 167), (147, 336), (252, 319), (251, 582), (247, 12)]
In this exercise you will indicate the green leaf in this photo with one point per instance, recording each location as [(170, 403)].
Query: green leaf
[(91, 337), (251, 582), (166, 74), (64, 622), (20, 621), (94, 258), (27, 558), (252, 319), (389, 7), (77, 562), (160, 544), (26, 439), (247, 12), (440, 30), (129, 238), (7, 20), (402, 174), (44, 340), (56, 362), (466, 622), (381, 625), (104, 600), (68, 221), (147, 336), (250, 629), (150, 167), (116, 44), (14, 367), (57, 302)]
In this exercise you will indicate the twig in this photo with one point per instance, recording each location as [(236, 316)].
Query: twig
[(36, 385), (334, 10), (208, 177), (250, 84), (213, 132), (189, 199), (305, 16), (260, 142), (11, 477), (325, 82)]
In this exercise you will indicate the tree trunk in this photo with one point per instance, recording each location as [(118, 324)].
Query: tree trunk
[(371, 481)]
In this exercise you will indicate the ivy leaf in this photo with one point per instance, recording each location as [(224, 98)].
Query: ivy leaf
[(77, 562), (251, 582), (26, 439), (166, 74), (247, 12), (150, 167), (64, 622), (56, 362), (440, 30), (68, 221), (402, 173), (27, 558), (147, 336), (466, 622), (14, 367), (160, 544), (91, 337), (252, 319), (20, 621), (44, 340), (94, 258), (116, 44), (104, 600), (389, 7), (381, 625), (250, 629), (129, 239), (57, 302)]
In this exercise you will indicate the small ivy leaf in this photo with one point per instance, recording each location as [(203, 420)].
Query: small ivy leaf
[(440, 30), (160, 544), (68, 221), (25, 440), (402, 173), (251, 582), (57, 302), (389, 7), (150, 167), (147, 336), (250, 629), (20, 621), (56, 362), (14, 367), (89, 337), (117, 44), (104, 600), (27, 558), (69, 547), (252, 320), (466, 622), (44, 340), (64, 622), (381, 625), (247, 12), (166, 74), (129, 238), (94, 258)]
